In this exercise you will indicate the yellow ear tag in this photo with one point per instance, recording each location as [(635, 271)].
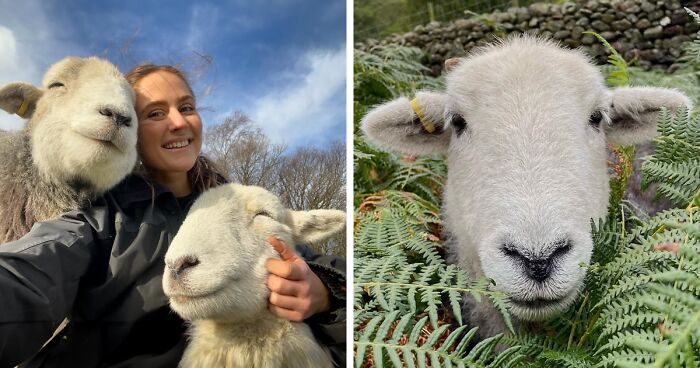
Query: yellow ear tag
[(427, 125), (23, 107)]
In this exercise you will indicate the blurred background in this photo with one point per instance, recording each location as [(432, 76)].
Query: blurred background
[(270, 77)]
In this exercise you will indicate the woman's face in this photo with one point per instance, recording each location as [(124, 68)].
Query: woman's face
[(170, 129)]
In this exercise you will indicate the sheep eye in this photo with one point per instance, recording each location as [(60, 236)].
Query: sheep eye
[(595, 119), (263, 213), (458, 124), (56, 85)]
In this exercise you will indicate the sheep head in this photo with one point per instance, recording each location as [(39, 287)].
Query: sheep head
[(215, 266), (525, 126), (82, 124)]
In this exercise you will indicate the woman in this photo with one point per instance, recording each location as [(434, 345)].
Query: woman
[(102, 266)]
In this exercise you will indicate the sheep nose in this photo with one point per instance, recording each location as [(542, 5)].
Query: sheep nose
[(118, 119), (539, 267), (182, 265)]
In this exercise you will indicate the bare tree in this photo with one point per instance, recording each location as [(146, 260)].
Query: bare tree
[(244, 151), (307, 179), (314, 178)]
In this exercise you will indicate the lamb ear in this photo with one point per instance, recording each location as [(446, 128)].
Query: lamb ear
[(635, 110), (316, 225), (19, 98), (396, 125)]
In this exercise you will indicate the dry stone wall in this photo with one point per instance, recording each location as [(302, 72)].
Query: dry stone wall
[(650, 32)]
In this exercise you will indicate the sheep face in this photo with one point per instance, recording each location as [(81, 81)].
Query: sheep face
[(216, 263), (525, 126), (82, 122)]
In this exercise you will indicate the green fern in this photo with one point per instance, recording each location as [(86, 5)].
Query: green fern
[(640, 301), (405, 342), (619, 75)]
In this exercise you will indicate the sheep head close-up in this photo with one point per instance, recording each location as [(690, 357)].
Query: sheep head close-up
[(82, 122), (525, 125), (216, 263)]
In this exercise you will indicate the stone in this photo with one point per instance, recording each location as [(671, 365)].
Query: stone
[(672, 5), (679, 17), (609, 35), (588, 40), (608, 17), (644, 45), (534, 22), (539, 8), (671, 31), (577, 32), (560, 35), (647, 6), (643, 24), (600, 26), (653, 33), (583, 22), (633, 35), (655, 15), (569, 8), (621, 25)]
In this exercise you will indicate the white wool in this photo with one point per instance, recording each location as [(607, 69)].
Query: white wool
[(225, 294), (69, 117), (529, 172)]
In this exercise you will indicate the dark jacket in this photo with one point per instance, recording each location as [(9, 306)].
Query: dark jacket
[(102, 267)]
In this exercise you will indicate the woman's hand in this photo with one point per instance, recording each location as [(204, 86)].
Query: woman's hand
[(296, 293)]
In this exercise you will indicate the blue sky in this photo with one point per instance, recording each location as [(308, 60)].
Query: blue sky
[(281, 62)]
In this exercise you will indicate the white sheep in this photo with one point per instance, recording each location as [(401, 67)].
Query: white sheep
[(216, 278), (80, 141), (525, 124)]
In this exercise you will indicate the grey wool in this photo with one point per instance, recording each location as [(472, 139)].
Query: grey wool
[(78, 142)]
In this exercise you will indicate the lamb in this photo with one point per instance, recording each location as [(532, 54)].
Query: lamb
[(525, 124), (215, 277), (80, 141)]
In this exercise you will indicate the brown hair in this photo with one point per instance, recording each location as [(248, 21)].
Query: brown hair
[(205, 173)]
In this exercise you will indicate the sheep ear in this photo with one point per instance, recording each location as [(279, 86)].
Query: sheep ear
[(316, 225), (410, 127), (635, 110), (19, 98)]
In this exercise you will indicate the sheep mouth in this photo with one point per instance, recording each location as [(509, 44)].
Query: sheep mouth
[(538, 303), (542, 308), (187, 298)]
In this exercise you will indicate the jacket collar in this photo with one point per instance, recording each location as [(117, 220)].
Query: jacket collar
[(135, 188)]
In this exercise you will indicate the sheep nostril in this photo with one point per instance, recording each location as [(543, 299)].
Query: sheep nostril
[(183, 264), (117, 118), (122, 120)]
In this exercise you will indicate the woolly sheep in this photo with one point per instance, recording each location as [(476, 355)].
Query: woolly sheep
[(525, 125), (215, 277), (80, 141)]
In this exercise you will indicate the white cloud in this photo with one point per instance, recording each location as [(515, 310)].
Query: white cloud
[(306, 108), (8, 49), (30, 41)]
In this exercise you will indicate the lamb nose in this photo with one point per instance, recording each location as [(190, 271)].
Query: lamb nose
[(538, 270), (118, 119), (183, 264)]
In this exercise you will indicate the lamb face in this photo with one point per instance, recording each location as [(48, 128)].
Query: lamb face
[(524, 125), (82, 123), (533, 145), (216, 263), (91, 110)]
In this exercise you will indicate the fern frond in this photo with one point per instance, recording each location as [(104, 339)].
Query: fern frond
[(402, 340)]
